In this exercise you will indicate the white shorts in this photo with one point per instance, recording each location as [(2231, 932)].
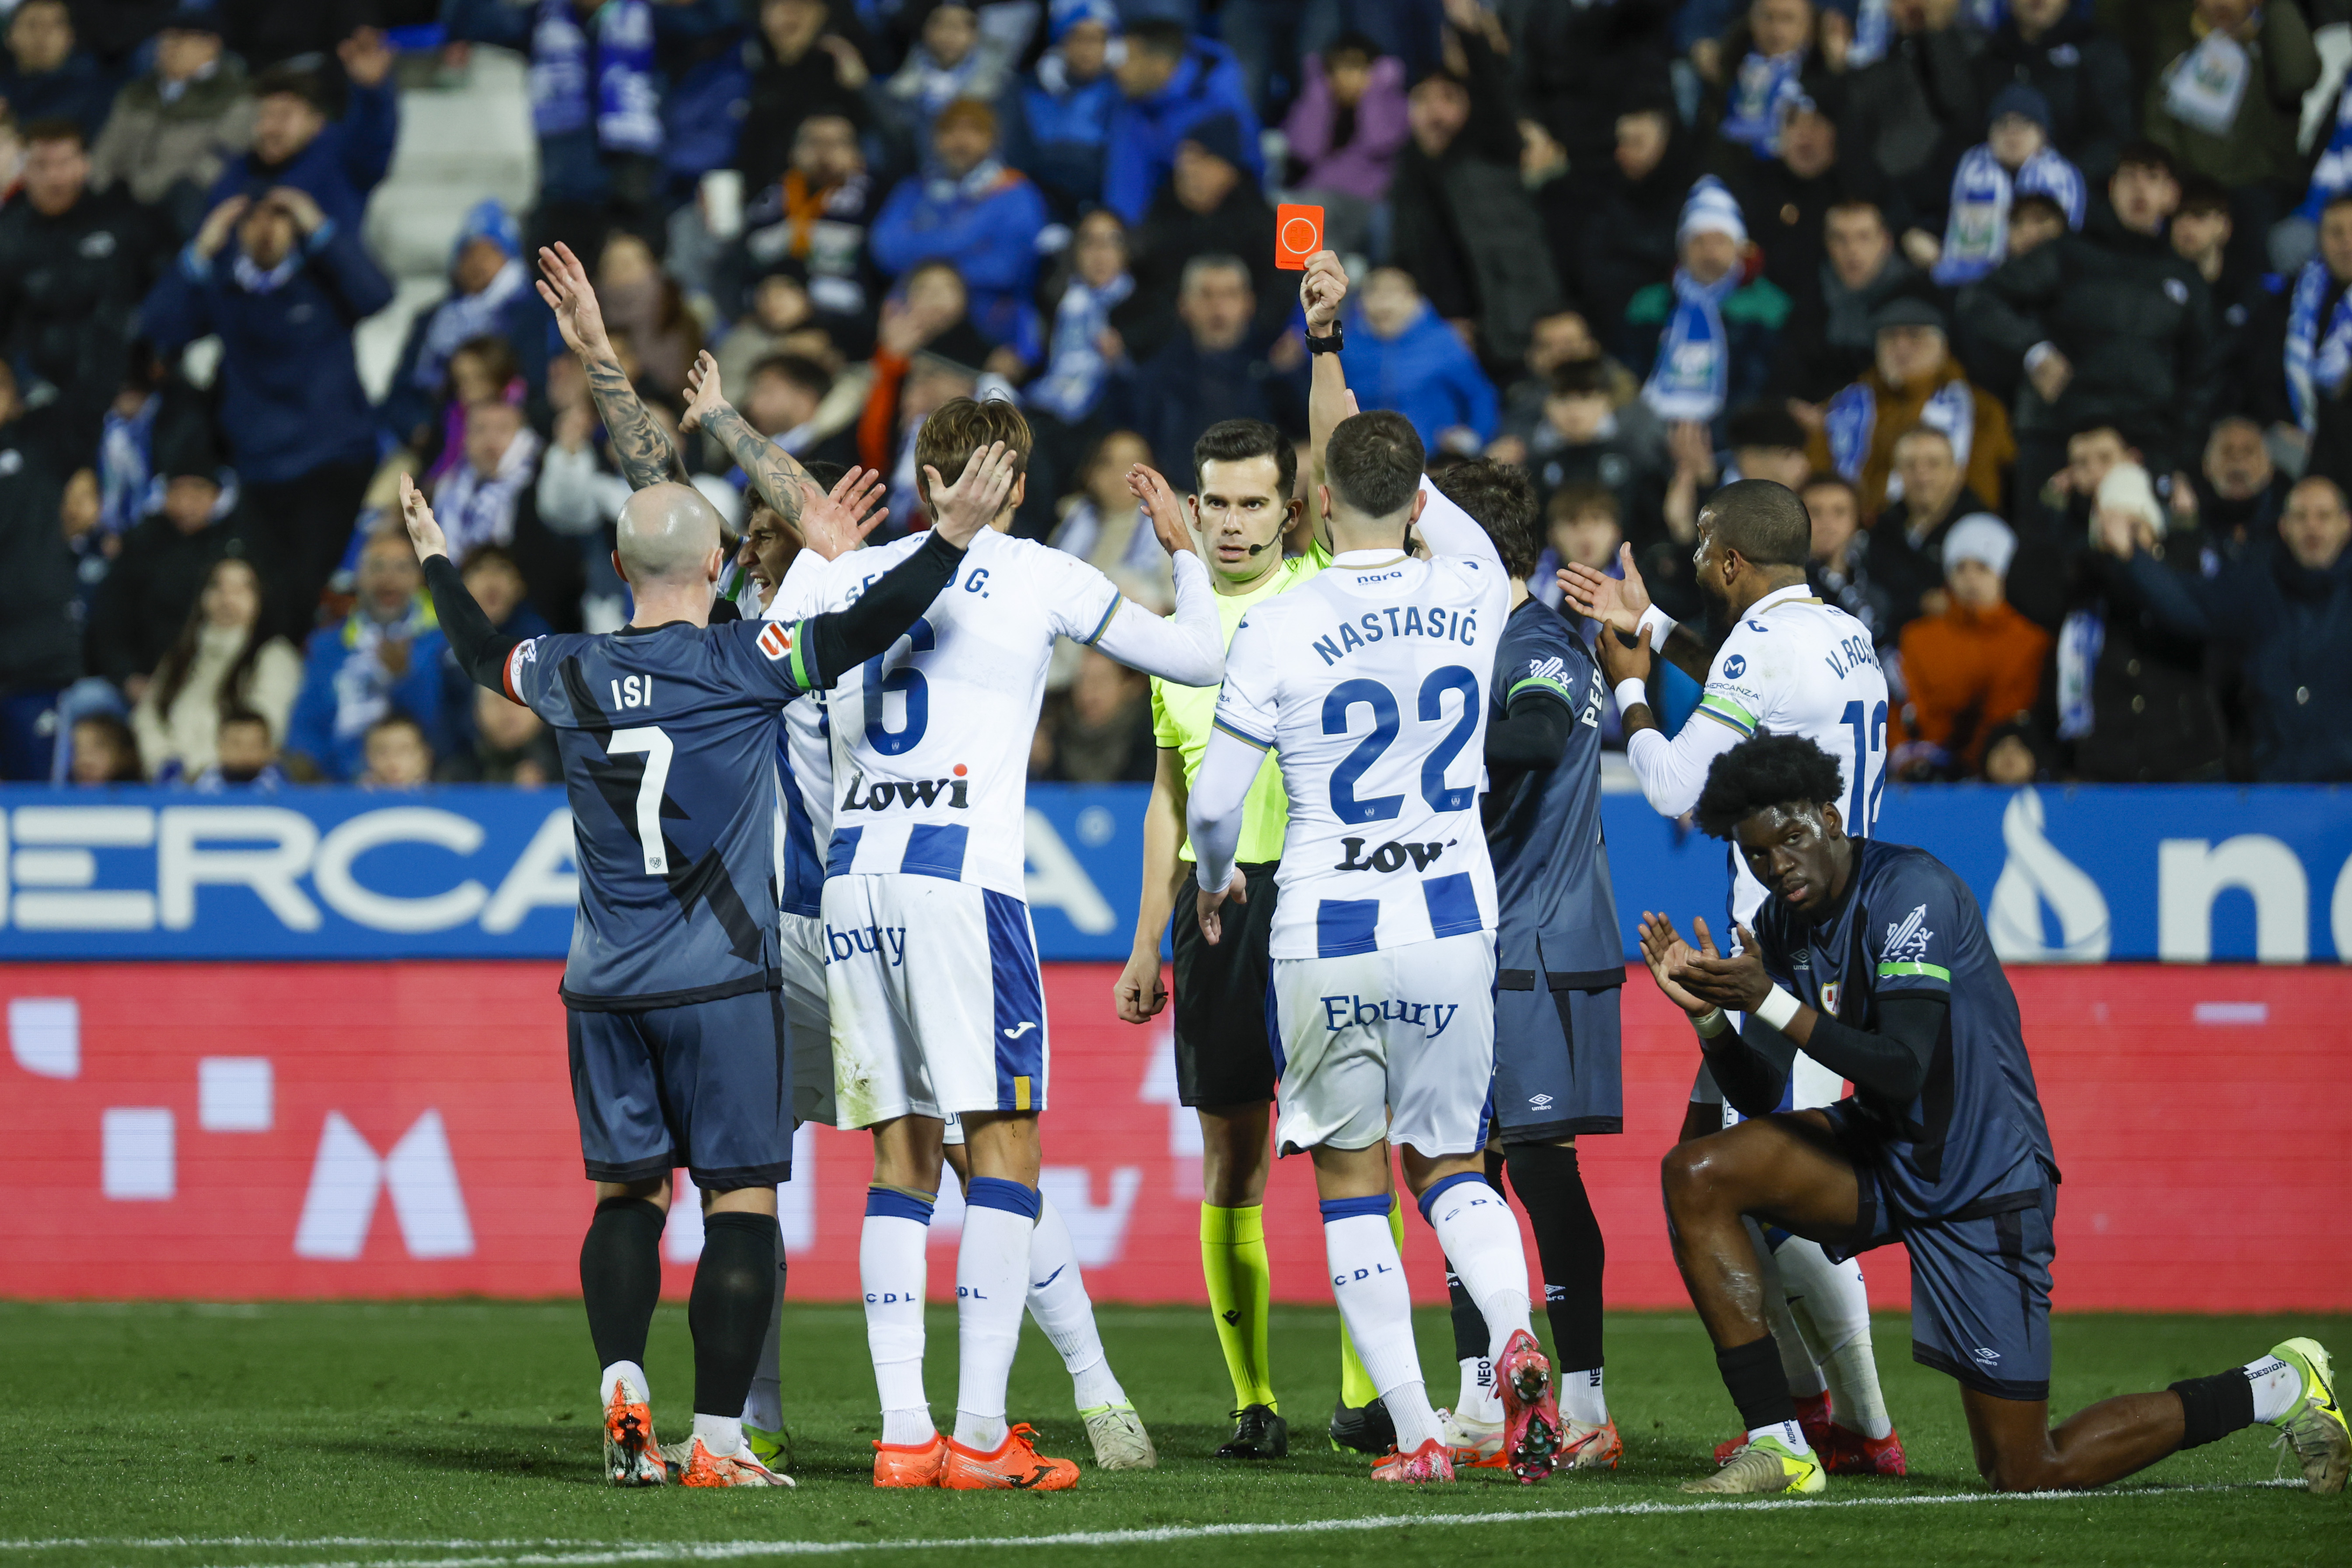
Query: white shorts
[(1810, 1085), (1397, 1043), (938, 1006), (809, 1014)]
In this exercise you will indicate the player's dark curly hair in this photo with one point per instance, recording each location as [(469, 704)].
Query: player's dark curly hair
[(1500, 499), (1768, 771)]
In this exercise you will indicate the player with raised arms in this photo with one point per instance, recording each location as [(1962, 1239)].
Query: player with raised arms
[(1872, 958), (679, 1048), (1789, 664), (1370, 682)]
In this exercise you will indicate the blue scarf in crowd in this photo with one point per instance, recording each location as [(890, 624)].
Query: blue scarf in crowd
[(1692, 376), (1764, 86), (1851, 420), (2332, 175), (1976, 237), (2316, 357), (1073, 382), (127, 487), (621, 102)]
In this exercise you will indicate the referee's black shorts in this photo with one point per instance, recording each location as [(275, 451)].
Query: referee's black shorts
[(1224, 1055)]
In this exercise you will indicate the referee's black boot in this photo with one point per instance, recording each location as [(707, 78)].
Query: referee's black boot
[(1367, 1428), (1258, 1433)]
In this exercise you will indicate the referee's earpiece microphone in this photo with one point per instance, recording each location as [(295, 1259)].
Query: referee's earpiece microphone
[(1255, 549)]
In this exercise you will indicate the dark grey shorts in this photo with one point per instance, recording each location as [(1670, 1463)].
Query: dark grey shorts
[(1558, 1055), (708, 1085)]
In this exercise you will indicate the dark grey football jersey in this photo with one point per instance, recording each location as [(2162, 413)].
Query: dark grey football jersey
[(668, 738)]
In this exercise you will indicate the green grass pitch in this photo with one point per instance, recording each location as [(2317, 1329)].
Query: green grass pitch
[(463, 1434)]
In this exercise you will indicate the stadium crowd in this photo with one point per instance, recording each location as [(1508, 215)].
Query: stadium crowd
[(2046, 306)]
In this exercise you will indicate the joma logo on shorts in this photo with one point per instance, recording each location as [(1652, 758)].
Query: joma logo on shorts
[(1339, 1012), (905, 792), (887, 941)]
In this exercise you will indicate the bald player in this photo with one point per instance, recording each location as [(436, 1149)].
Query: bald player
[(679, 1048)]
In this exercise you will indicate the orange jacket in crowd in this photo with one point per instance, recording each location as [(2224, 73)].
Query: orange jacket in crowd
[(1985, 662)]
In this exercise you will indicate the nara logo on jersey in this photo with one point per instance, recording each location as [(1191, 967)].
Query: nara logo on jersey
[(862, 796), (1389, 857)]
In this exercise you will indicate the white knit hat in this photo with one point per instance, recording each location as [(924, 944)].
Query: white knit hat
[(1711, 209), (2128, 489), (1983, 537)]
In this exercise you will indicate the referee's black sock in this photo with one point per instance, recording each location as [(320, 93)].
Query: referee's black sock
[(620, 1277), (1550, 1187), (734, 1291), (2213, 1407), (1752, 1373)]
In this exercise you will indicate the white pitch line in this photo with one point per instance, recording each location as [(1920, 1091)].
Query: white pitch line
[(556, 1554)]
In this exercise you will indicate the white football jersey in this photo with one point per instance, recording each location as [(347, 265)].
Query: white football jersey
[(1797, 666), (1369, 681), (931, 742)]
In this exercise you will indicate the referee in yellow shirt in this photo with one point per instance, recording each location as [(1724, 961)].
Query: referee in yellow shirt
[(1246, 473)]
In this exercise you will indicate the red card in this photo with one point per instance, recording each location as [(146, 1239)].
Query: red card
[(1298, 235)]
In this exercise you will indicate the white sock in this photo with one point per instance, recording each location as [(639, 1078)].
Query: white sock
[(1831, 1306), (1482, 1241), (1789, 1432), (1797, 1364), (763, 1407), (992, 1287), (893, 1272), (1580, 1398), (722, 1435), (2278, 1387), (614, 1373), (1479, 1400), (1058, 1300), (1367, 1280)]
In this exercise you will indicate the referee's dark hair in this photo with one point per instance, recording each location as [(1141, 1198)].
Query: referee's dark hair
[(1238, 440), (1373, 463), (1768, 771), (1500, 499), (1763, 521)]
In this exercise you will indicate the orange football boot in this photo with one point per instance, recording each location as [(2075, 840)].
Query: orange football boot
[(910, 1464), (1016, 1465)]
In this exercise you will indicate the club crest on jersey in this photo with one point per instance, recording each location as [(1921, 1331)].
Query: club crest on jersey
[(1908, 939), (776, 640), (1830, 996)]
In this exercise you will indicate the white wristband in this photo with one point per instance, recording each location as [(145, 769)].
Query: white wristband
[(1778, 1008), (1710, 1025), (1629, 692), (1657, 625), (2039, 354)]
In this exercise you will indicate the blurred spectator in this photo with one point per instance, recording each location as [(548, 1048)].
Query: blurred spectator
[(338, 163), (1104, 527), (40, 636), (154, 412), (165, 564), (398, 754), (1582, 440), (475, 502), (247, 757), (1583, 524), (73, 264), (1578, 65), (952, 62), (967, 207), (1791, 193), (1770, 50), (1083, 354), (283, 285), (596, 108), (173, 130), (103, 750), (47, 76), (1346, 129), (1914, 107), (2133, 697), (1628, 242), (510, 747), (2315, 344), (1057, 120), (1404, 357), (809, 65), (812, 226), (1169, 82), (1714, 329), (1216, 367), (2229, 103), (1906, 548), (480, 370), (497, 583), (2109, 326), (1461, 223), (223, 661), (385, 655), (490, 295), (1840, 569), (1104, 733), (925, 315), (2083, 75), (782, 399), (1555, 340), (1915, 381), (2014, 160), (1831, 338), (1208, 207), (1975, 665), (2242, 492), (644, 302), (2245, 371), (2014, 754), (2286, 611)]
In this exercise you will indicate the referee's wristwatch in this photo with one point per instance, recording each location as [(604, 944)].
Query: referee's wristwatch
[(1330, 345)]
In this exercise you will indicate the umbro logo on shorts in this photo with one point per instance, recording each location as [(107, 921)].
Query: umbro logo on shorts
[(1540, 1101)]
